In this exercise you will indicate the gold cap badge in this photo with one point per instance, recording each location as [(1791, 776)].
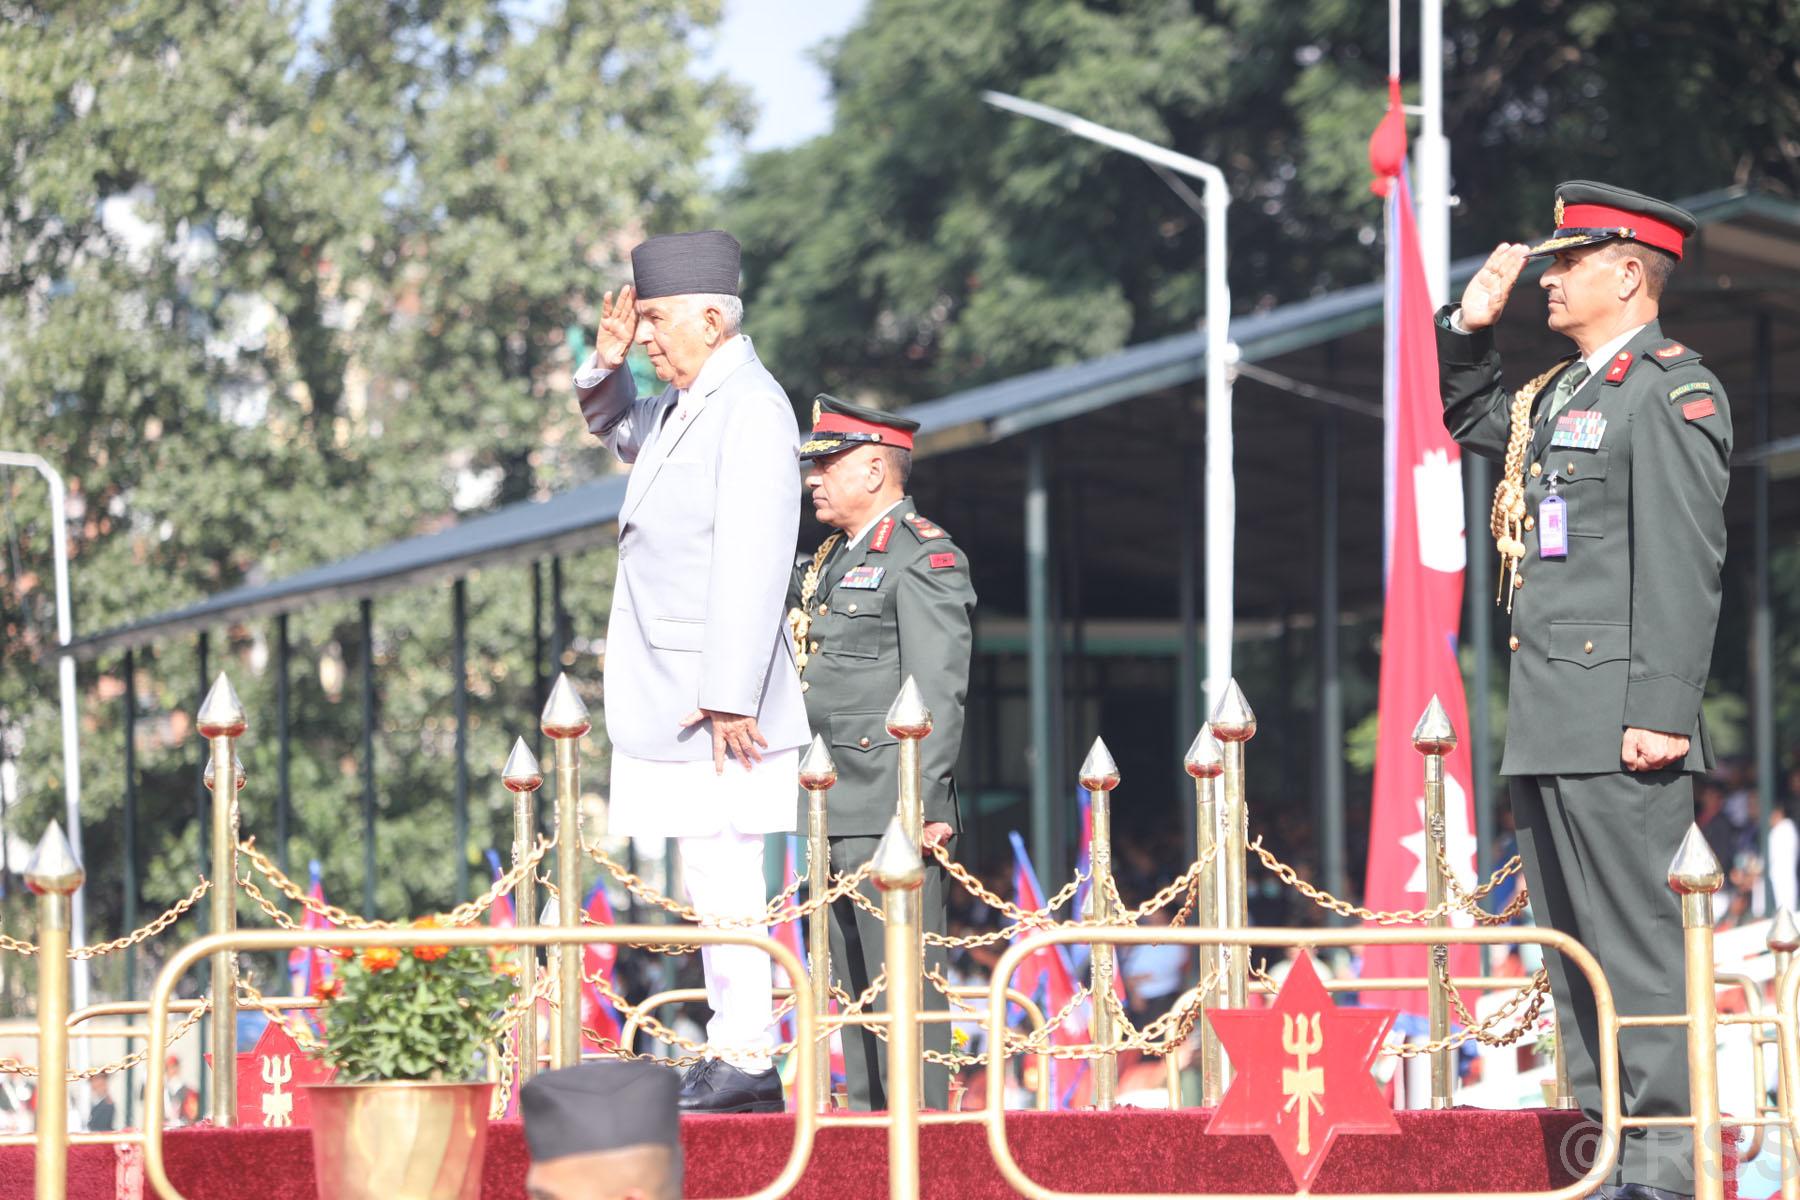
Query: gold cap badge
[(1559, 217)]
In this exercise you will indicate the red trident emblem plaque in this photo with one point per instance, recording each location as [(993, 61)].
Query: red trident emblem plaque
[(1302, 1071)]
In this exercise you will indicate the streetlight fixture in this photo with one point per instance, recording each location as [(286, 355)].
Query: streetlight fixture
[(1221, 488), (71, 731)]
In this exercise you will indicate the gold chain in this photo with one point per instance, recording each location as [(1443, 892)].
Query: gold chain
[(778, 911), (1464, 902), (13, 1066), (466, 913), (142, 934), (1507, 520), (800, 619), (1482, 1031), (988, 897)]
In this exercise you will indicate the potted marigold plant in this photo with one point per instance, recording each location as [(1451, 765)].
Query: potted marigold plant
[(407, 1030)]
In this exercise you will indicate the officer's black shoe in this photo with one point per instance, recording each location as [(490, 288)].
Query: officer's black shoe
[(715, 1086), (1643, 1191)]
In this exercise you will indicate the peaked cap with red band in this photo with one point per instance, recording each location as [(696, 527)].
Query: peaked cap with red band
[(839, 425), (1589, 213)]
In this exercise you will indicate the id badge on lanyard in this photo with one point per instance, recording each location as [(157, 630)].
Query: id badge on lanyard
[(1553, 527)]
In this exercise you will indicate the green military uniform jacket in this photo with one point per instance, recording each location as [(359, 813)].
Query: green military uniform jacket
[(897, 604), (1618, 633)]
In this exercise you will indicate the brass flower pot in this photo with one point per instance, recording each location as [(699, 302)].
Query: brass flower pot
[(399, 1140)]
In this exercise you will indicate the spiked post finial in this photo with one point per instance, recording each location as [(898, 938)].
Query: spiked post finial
[(221, 713), (53, 869), (1232, 718), (908, 717), (1098, 773), (896, 862), (521, 772), (1784, 935), (565, 716), (817, 771), (237, 769), (1695, 870), (1434, 734), (1203, 759)]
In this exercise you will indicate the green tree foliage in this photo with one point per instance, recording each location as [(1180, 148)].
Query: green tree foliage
[(928, 242), (279, 282)]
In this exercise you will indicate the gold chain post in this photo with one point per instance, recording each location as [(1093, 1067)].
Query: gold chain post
[(818, 774), (565, 720), (909, 721), (1233, 723), (1695, 875), (53, 875), (221, 722), (1205, 764), (899, 873), (1100, 775), (522, 776), (1434, 737)]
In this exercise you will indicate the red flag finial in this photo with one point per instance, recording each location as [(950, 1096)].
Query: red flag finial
[(1387, 145)]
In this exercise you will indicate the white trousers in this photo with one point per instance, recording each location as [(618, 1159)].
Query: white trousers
[(724, 874)]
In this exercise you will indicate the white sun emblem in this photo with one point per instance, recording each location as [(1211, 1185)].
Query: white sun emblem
[(1459, 844)]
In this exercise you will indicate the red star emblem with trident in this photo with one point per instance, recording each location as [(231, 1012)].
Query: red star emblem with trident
[(1302, 1071)]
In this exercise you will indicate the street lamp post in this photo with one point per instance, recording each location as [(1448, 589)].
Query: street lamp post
[(65, 666), (1221, 488)]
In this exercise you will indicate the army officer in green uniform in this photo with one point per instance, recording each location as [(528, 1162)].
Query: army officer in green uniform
[(885, 596), (1610, 523)]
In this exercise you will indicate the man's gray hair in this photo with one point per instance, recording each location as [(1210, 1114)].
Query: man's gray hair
[(730, 307)]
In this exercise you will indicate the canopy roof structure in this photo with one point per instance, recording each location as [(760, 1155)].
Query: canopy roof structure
[(1308, 385)]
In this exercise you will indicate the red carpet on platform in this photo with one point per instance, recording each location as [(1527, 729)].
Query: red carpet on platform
[(1453, 1152)]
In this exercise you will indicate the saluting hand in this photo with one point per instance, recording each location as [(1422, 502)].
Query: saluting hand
[(1485, 297), (617, 328), (733, 734)]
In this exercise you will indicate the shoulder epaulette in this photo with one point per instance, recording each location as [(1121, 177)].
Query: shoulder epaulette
[(1618, 368), (1670, 355), (924, 530), (878, 540)]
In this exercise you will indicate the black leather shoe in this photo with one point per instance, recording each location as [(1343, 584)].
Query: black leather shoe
[(715, 1086)]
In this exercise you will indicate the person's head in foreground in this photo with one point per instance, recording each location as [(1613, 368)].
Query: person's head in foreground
[(603, 1131)]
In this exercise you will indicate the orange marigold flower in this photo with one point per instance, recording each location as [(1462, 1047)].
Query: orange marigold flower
[(506, 967), (328, 988), (380, 958), (429, 953)]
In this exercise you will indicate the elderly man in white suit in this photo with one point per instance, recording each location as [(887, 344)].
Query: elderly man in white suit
[(703, 702)]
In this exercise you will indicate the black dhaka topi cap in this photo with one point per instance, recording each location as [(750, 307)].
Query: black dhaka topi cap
[(615, 1104), (684, 264)]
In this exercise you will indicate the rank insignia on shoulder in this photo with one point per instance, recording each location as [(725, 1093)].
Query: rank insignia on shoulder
[(1673, 354), (1698, 385), (925, 529), (865, 578), (1693, 410), (1621, 365), (946, 559), (878, 541)]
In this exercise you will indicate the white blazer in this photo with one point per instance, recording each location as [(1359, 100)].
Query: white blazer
[(707, 535)]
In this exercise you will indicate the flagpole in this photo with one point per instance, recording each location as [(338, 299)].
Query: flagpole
[(1431, 168), (1221, 488)]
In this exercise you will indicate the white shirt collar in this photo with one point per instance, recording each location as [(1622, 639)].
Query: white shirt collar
[(1599, 359), (873, 521)]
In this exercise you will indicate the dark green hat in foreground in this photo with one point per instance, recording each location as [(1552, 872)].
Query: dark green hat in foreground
[(839, 425)]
